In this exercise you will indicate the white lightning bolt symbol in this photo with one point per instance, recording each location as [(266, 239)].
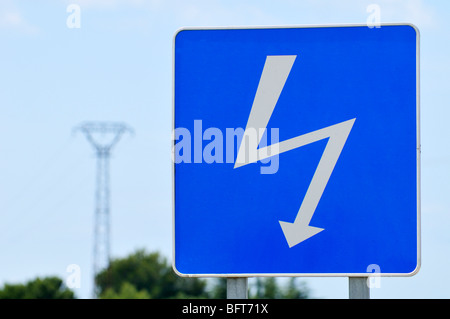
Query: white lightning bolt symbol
[(275, 73)]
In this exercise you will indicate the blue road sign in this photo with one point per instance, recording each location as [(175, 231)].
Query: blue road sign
[(296, 151)]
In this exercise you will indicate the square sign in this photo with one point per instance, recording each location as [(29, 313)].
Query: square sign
[(296, 151)]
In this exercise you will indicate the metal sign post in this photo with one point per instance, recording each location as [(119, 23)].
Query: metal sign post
[(237, 288), (358, 288)]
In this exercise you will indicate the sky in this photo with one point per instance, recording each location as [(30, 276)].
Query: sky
[(117, 66)]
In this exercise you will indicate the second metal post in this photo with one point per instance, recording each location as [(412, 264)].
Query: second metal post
[(237, 288)]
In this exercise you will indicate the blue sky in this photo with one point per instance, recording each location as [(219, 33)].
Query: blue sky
[(118, 67)]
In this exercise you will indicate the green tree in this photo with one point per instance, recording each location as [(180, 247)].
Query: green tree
[(146, 275), (219, 289), (45, 288), (127, 291), (269, 288), (296, 290)]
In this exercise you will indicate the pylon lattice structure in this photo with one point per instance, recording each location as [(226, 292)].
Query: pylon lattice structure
[(103, 136)]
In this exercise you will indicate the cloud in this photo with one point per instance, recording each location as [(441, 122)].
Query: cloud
[(12, 20)]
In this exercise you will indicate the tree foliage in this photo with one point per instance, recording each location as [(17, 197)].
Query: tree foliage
[(143, 275), (150, 275), (127, 291), (39, 288)]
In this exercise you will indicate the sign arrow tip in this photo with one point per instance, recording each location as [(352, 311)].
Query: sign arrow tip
[(295, 233)]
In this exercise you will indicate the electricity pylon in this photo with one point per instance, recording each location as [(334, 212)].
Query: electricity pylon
[(103, 136)]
